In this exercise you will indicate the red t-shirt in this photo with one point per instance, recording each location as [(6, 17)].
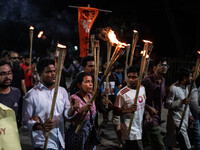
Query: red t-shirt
[(28, 77)]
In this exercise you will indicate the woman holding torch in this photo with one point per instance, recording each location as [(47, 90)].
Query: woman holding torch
[(82, 140)]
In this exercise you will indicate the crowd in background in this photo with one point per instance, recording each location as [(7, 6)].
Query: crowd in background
[(28, 90)]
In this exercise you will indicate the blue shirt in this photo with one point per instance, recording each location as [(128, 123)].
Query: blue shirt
[(37, 102), (11, 99)]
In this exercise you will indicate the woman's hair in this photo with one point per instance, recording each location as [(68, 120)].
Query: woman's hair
[(80, 77), (44, 62)]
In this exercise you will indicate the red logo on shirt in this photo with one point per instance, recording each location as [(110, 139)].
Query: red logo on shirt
[(140, 99)]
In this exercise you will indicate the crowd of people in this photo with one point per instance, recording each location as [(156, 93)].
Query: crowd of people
[(29, 90)]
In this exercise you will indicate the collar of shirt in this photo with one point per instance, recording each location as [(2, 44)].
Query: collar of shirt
[(154, 78), (42, 86)]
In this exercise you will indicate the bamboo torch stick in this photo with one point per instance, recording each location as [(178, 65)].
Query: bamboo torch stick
[(195, 74), (95, 67), (98, 53), (31, 46), (143, 61), (60, 53), (96, 58), (134, 42), (148, 61), (92, 39), (126, 63), (109, 46), (119, 50)]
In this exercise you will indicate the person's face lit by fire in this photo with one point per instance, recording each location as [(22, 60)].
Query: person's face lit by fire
[(89, 68), (48, 76)]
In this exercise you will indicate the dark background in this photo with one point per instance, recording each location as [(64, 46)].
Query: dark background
[(173, 25)]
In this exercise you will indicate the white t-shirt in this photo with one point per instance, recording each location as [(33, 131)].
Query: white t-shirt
[(125, 98)]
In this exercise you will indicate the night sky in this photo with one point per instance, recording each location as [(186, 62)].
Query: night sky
[(173, 26)]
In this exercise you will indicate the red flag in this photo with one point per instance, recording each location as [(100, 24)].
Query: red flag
[(86, 18)]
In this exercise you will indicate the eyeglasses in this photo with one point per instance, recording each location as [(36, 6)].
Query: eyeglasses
[(14, 58), (4, 74), (163, 65)]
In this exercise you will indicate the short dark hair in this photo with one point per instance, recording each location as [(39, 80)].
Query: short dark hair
[(44, 62), (26, 56), (119, 66), (133, 69), (3, 62), (86, 59), (183, 72), (157, 60), (80, 76)]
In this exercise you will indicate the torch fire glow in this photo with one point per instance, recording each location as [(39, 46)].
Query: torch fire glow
[(40, 34), (31, 28), (61, 46), (113, 39)]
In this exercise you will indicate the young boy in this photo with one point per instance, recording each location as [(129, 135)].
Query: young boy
[(124, 106)]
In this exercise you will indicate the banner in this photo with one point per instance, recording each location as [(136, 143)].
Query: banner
[(9, 137), (86, 18)]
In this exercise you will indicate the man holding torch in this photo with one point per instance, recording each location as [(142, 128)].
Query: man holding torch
[(175, 102), (37, 106), (124, 106)]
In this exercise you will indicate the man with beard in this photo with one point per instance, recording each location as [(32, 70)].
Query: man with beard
[(9, 95), (18, 74), (175, 102), (37, 105), (155, 92)]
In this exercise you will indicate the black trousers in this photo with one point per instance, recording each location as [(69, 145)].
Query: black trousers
[(136, 145)]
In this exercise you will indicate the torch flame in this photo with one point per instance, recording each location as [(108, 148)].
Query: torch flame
[(31, 28), (198, 52), (61, 46), (135, 31), (40, 34), (113, 39), (146, 41)]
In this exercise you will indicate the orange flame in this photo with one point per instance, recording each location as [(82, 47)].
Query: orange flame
[(146, 41), (31, 28), (113, 39), (198, 52), (61, 46), (40, 34)]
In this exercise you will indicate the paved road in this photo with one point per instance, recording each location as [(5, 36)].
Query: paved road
[(109, 139)]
